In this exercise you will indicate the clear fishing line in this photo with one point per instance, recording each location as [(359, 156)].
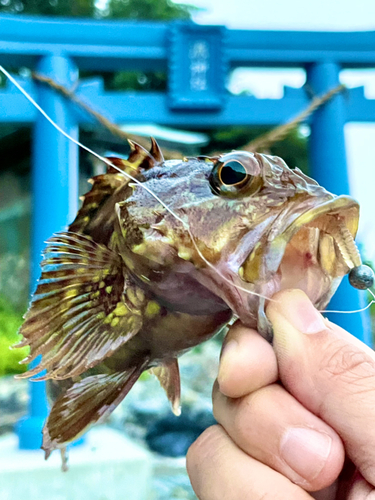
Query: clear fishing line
[(156, 197), (129, 176), (356, 310)]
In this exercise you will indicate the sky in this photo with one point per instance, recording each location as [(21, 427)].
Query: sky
[(323, 15), (312, 15)]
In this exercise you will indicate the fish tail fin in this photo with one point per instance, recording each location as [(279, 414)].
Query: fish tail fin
[(86, 402)]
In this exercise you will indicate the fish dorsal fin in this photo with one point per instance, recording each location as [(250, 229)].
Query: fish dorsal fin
[(80, 313), (140, 157), (155, 151), (168, 375), (120, 163), (97, 215), (88, 401)]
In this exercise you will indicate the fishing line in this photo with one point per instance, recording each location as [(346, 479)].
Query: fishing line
[(356, 310), (129, 176), (156, 197)]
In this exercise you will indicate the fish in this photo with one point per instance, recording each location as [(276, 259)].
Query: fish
[(161, 256)]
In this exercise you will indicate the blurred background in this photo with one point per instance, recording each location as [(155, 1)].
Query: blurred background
[(144, 418)]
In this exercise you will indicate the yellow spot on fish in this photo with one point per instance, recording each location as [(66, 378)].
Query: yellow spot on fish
[(140, 294), (152, 308), (88, 289), (86, 219), (108, 289), (184, 254), (71, 293), (131, 294), (139, 249), (101, 315), (95, 295), (121, 309), (109, 318), (101, 284), (115, 322), (252, 265)]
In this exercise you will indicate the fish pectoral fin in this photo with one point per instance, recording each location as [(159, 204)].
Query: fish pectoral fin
[(87, 402), (79, 314), (168, 375)]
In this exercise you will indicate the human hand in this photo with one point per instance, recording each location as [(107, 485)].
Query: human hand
[(294, 419)]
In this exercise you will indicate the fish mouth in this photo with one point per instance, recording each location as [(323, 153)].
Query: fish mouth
[(312, 253)]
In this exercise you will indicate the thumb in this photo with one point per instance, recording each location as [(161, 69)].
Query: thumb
[(329, 371)]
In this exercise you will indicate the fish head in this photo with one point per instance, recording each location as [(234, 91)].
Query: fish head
[(238, 227)]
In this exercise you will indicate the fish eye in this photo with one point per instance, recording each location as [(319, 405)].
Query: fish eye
[(233, 173), (229, 178)]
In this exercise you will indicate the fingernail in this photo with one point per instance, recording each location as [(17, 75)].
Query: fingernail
[(300, 313), (227, 359), (305, 451)]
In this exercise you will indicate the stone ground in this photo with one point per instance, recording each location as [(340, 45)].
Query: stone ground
[(145, 417)]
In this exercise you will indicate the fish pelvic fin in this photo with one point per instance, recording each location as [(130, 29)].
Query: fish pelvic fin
[(168, 375), (88, 401), (81, 312)]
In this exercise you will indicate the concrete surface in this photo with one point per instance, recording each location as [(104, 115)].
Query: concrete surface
[(107, 467)]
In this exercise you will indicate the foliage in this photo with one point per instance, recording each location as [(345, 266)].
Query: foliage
[(114, 9), (73, 8), (10, 321), (136, 80), (148, 9)]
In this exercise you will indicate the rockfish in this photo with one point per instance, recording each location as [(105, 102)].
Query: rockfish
[(149, 269)]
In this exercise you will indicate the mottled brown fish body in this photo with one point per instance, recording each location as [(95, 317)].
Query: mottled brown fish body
[(147, 271)]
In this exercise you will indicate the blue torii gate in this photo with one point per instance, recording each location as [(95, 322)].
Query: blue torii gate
[(198, 59)]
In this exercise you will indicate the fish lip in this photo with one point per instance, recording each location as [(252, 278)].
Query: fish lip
[(273, 250), (329, 207), (273, 255), (339, 204)]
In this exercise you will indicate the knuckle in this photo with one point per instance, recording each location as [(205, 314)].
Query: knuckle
[(243, 416), (203, 447), (348, 363), (249, 410)]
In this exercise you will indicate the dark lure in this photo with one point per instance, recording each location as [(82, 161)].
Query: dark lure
[(134, 283)]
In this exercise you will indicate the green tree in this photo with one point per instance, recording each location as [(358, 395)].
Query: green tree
[(10, 321), (148, 9), (112, 9)]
